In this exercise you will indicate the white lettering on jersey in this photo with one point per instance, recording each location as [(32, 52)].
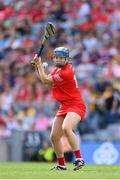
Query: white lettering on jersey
[(75, 81), (58, 78)]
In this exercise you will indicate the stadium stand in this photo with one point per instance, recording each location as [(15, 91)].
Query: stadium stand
[(91, 30)]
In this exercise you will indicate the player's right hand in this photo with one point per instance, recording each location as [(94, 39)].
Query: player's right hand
[(37, 60)]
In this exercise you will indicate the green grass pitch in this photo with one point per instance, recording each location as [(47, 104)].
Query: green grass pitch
[(29, 170)]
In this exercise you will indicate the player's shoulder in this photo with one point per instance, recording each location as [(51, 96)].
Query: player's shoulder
[(67, 71), (68, 68), (54, 70)]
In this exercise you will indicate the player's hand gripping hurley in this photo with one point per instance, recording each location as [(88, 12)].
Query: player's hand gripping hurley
[(49, 31)]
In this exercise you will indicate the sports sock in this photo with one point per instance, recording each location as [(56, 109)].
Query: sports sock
[(77, 154), (61, 161)]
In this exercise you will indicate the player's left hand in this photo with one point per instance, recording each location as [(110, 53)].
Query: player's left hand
[(37, 60)]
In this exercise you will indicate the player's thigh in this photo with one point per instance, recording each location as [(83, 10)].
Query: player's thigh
[(57, 126), (71, 120)]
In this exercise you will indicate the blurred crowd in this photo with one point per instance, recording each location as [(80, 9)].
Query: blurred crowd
[(90, 29)]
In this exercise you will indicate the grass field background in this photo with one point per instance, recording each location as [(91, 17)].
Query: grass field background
[(39, 170)]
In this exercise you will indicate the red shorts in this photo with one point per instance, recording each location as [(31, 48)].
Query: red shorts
[(72, 106)]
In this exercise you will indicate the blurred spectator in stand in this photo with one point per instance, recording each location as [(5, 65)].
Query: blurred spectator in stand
[(4, 132), (42, 123), (110, 106), (6, 99), (29, 118), (58, 12), (46, 153)]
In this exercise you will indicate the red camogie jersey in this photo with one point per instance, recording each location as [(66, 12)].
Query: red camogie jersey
[(65, 90), (65, 85)]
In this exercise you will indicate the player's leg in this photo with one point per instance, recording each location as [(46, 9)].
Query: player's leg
[(70, 122), (56, 135)]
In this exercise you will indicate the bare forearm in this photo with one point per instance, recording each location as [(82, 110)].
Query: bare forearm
[(42, 75)]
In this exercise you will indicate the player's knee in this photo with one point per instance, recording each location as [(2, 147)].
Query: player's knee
[(66, 130), (53, 137)]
